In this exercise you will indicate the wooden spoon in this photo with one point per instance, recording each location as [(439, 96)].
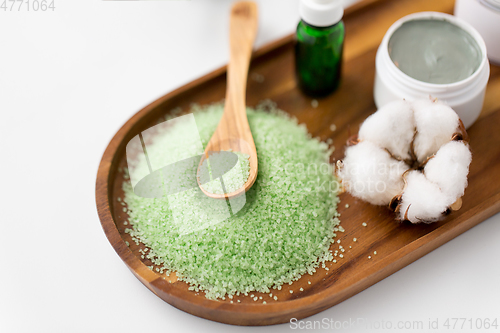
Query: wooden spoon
[(233, 132)]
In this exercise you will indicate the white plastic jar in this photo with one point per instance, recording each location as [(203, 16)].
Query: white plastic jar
[(465, 97), (484, 15)]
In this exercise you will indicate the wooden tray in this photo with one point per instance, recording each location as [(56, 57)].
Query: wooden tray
[(397, 244)]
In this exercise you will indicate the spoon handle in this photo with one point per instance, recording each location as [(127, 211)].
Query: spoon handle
[(243, 29)]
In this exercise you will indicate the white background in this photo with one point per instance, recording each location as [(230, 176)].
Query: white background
[(68, 80)]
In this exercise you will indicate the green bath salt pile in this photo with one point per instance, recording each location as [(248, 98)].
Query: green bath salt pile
[(282, 231)]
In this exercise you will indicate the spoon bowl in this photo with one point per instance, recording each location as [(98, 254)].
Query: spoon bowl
[(239, 145)]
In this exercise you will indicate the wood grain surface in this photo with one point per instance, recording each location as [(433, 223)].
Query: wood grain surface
[(396, 244)]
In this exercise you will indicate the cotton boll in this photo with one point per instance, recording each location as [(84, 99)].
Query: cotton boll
[(422, 200), (436, 123), (411, 132), (449, 168), (371, 174), (394, 120)]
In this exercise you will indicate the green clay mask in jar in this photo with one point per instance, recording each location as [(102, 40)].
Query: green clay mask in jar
[(434, 51)]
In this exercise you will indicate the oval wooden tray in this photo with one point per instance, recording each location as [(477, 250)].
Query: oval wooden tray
[(397, 245)]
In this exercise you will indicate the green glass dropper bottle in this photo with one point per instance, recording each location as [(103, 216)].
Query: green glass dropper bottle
[(319, 44)]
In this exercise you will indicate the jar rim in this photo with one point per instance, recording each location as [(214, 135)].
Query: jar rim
[(491, 4)]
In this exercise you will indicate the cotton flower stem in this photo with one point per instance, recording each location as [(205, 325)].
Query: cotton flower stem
[(422, 165), (462, 133), (395, 203), (406, 213), (352, 141), (414, 159), (457, 205)]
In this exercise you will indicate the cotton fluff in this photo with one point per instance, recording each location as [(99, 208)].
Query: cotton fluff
[(449, 168), (370, 173), (435, 124), (394, 120), (422, 200), (416, 136)]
